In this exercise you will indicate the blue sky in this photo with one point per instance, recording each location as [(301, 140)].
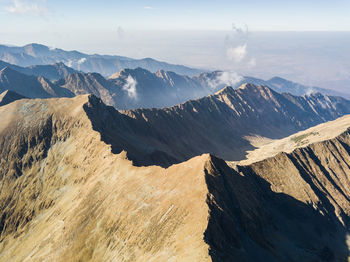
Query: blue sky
[(31, 15)]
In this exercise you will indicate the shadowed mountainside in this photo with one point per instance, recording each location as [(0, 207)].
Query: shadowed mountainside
[(30, 86), (136, 88), (66, 197), (216, 124)]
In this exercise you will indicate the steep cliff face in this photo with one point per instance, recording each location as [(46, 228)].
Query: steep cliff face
[(274, 211), (66, 197)]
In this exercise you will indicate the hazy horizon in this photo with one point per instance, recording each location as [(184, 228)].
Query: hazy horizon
[(306, 42), (311, 58)]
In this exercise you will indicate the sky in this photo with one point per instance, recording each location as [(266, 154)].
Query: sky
[(244, 36), (320, 15)]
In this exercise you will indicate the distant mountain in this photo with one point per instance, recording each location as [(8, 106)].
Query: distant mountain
[(30, 86), (89, 83), (127, 89), (219, 79), (136, 88), (52, 72), (36, 54), (141, 88), (216, 124), (7, 97), (282, 85)]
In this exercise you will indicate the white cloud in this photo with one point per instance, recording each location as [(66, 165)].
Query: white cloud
[(81, 61), (237, 53), (130, 87), (148, 7), (69, 63), (224, 78), (237, 46), (36, 7)]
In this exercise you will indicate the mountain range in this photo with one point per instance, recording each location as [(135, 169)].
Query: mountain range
[(130, 88), (55, 64), (52, 72), (220, 79), (37, 54), (67, 195), (126, 163)]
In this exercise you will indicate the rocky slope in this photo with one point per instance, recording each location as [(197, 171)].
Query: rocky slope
[(66, 197), (217, 124)]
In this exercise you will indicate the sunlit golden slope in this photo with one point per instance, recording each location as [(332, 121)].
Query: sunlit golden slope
[(65, 197)]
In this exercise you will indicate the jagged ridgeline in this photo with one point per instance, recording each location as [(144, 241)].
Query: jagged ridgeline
[(70, 190), (131, 87)]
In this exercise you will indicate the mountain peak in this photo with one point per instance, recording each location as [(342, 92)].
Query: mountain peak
[(128, 71), (35, 49), (250, 86), (225, 90), (36, 45)]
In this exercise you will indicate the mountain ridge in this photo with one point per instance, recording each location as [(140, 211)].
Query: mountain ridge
[(67, 193), (219, 124)]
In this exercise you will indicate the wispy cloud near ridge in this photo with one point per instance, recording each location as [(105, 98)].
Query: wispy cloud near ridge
[(130, 87)]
